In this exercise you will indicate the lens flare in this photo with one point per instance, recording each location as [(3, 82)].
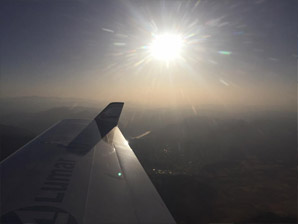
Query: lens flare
[(166, 47)]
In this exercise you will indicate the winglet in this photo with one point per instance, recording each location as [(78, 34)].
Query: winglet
[(109, 117)]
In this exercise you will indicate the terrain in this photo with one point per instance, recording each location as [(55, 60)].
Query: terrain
[(209, 165)]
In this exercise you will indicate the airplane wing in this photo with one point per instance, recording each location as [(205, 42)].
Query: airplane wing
[(79, 171)]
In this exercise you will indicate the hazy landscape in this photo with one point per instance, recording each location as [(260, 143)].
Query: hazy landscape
[(210, 92), (209, 164)]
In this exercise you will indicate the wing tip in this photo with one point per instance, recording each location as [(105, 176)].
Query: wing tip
[(108, 118), (115, 103)]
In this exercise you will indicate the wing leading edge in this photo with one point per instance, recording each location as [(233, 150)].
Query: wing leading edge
[(79, 171)]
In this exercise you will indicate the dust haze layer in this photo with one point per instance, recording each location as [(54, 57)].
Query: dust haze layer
[(236, 53)]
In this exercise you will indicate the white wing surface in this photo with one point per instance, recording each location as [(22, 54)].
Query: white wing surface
[(79, 171)]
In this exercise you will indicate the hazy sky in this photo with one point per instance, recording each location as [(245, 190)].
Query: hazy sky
[(235, 52)]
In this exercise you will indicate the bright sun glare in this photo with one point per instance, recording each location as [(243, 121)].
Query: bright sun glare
[(166, 47)]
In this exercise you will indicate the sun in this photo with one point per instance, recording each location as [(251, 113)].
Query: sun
[(166, 47)]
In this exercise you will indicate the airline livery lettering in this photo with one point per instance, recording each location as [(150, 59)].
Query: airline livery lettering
[(55, 186)]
